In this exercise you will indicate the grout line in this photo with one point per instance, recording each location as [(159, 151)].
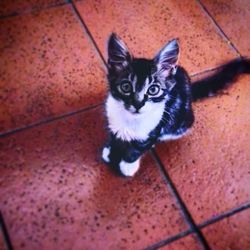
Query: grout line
[(205, 71), (5, 233), (3, 134), (49, 120), (88, 32), (204, 224), (217, 67), (180, 202), (169, 240), (225, 215), (30, 11), (220, 30), (212, 69), (194, 228)]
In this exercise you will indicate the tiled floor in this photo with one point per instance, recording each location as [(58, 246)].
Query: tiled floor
[(55, 192)]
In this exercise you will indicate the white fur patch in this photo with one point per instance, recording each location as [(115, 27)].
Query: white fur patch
[(129, 169), (133, 81), (105, 154), (169, 137), (131, 126)]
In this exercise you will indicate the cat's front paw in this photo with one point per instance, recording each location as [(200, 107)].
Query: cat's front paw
[(129, 169), (105, 154)]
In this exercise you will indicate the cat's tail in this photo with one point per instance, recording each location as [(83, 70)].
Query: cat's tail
[(222, 78)]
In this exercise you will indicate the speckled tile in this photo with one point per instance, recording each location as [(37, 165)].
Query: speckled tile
[(187, 243), (2, 243), (210, 166), (146, 26), (54, 191), (48, 67), (233, 17), (15, 7), (230, 233)]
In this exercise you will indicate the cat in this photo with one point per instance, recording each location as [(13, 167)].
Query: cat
[(151, 100)]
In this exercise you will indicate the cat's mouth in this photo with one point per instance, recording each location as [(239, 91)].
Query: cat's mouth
[(137, 112), (134, 111)]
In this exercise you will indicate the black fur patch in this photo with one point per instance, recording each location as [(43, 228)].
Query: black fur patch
[(221, 79), (177, 93)]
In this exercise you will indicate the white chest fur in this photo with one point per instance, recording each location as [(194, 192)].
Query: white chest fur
[(128, 126)]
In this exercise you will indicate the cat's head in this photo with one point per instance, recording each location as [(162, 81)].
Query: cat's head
[(140, 83)]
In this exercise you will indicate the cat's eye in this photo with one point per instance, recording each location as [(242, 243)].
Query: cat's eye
[(126, 87), (153, 90)]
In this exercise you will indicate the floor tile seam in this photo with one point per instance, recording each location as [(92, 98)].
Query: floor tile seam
[(49, 120), (219, 29), (214, 69), (42, 122), (182, 206), (224, 215), (5, 233), (35, 10), (202, 225), (55, 118), (202, 72), (169, 240), (88, 33)]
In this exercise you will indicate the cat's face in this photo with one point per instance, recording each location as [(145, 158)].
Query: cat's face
[(141, 84)]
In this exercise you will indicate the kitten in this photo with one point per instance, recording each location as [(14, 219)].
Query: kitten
[(151, 100)]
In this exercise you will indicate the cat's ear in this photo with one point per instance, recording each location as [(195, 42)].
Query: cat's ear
[(166, 59), (118, 54)]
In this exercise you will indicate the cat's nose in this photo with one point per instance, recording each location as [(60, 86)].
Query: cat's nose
[(137, 104)]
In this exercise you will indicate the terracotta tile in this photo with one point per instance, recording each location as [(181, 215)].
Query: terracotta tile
[(2, 242), (48, 67), (187, 243), (233, 17), (147, 25), (210, 166), (230, 233), (55, 191), (8, 7)]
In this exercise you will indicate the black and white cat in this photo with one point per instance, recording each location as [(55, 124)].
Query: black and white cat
[(151, 100)]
